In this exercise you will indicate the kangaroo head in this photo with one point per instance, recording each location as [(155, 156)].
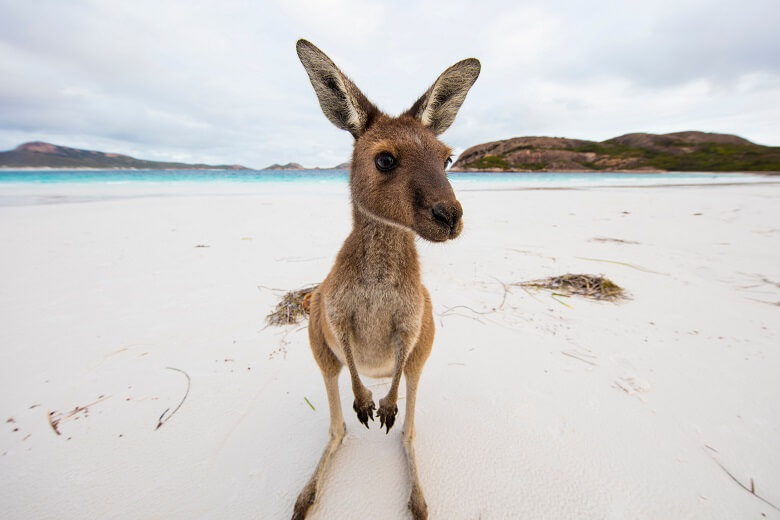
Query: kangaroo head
[(397, 174)]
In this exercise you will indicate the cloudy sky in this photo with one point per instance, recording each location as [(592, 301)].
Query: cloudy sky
[(220, 81)]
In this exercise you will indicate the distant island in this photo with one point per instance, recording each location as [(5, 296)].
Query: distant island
[(296, 166), (288, 166), (680, 151), (46, 155)]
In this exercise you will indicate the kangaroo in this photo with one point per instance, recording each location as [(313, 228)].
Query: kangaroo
[(372, 312)]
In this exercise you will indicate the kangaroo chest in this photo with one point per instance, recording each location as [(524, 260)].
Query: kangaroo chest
[(373, 297)]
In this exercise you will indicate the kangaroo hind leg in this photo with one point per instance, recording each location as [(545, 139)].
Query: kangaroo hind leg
[(412, 372), (330, 366)]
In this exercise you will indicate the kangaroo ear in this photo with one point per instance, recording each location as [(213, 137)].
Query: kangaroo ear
[(438, 107), (341, 101)]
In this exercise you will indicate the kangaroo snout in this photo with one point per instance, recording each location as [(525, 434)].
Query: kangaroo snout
[(447, 214)]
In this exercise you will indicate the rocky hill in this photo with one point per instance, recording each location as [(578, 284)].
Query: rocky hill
[(288, 166), (46, 155), (680, 151), (297, 166)]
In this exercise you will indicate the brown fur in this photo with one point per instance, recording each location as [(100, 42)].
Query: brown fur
[(372, 313)]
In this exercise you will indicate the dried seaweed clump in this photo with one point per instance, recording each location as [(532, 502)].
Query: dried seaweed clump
[(293, 307), (587, 285)]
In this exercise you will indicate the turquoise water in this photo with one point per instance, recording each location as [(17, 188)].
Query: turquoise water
[(116, 176), (24, 187), (277, 176)]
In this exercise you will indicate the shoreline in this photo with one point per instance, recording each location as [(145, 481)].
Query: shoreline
[(458, 170), (632, 172), (30, 193), (623, 186)]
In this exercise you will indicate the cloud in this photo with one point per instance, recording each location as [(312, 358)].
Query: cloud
[(220, 81)]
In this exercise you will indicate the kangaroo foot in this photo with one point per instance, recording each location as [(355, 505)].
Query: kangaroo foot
[(417, 505), (386, 413), (304, 502), (364, 407)]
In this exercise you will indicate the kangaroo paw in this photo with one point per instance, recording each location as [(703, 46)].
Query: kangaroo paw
[(386, 413), (365, 409)]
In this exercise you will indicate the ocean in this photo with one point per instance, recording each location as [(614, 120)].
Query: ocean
[(22, 187)]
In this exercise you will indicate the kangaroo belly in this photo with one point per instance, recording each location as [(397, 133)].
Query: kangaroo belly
[(373, 327), (372, 352), (371, 362), (381, 365)]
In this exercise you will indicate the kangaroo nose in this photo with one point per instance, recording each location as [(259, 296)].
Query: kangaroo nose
[(448, 215)]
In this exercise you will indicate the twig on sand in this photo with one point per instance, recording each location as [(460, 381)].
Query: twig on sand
[(632, 266), (776, 304), (55, 418), (575, 356), (506, 292), (261, 287), (615, 240), (473, 318), (53, 423), (163, 418), (448, 311), (529, 293), (751, 489), (555, 296), (761, 279)]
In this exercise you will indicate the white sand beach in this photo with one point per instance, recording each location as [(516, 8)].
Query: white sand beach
[(660, 407)]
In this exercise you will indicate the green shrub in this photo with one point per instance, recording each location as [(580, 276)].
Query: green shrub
[(490, 161)]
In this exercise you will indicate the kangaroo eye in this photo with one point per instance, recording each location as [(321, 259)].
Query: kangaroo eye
[(447, 162), (385, 162)]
